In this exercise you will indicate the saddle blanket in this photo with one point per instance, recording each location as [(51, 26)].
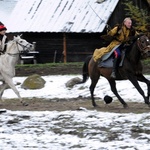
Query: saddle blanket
[(107, 59)]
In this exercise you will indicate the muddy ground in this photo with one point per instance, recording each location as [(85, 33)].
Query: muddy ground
[(36, 104)]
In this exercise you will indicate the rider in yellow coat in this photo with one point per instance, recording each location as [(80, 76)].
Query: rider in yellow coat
[(121, 35)]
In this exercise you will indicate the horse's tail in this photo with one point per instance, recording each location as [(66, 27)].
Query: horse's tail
[(85, 72)]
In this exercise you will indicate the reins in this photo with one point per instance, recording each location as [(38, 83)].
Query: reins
[(142, 48), (18, 53), (24, 46)]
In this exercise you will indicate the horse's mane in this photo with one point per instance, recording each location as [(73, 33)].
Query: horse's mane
[(131, 42), (134, 38), (131, 50), (15, 39), (9, 43)]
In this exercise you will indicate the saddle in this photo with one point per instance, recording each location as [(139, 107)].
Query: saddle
[(107, 59)]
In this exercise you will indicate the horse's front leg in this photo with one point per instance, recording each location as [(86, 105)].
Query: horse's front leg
[(9, 81), (114, 90), (141, 78), (134, 81)]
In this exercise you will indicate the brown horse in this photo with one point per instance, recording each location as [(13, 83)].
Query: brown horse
[(131, 69)]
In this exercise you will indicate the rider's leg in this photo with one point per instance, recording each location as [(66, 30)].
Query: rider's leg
[(117, 56), (113, 74)]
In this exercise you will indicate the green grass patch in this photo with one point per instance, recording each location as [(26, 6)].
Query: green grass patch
[(75, 64)]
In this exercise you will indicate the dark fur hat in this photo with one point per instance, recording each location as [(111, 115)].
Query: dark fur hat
[(108, 99)]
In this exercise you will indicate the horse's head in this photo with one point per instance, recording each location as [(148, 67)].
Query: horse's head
[(143, 43), (23, 45)]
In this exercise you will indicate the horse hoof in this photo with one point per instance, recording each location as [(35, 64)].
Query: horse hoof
[(95, 105), (148, 103), (125, 106), (24, 104)]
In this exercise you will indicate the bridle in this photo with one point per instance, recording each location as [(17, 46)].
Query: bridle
[(143, 48), (25, 49), (23, 46)]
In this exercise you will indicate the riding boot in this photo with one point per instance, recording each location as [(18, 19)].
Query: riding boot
[(113, 74)]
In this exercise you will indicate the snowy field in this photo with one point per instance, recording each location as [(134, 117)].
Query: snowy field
[(55, 87), (76, 130)]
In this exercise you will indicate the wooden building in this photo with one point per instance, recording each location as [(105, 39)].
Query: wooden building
[(66, 30)]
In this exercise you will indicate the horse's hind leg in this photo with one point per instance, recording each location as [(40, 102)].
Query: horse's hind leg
[(94, 75), (92, 87), (94, 81), (114, 90)]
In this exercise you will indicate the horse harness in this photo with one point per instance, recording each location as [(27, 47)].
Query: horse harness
[(143, 48), (17, 43)]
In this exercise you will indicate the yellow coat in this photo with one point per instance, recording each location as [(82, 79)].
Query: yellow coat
[(122, 36)]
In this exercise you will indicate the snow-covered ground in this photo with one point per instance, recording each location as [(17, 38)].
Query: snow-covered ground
[(55, 87), (77, 130), (84, 129)]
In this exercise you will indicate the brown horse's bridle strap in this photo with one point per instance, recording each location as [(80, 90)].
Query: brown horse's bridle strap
[(140, 46)]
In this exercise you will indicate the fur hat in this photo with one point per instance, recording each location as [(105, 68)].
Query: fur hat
[(108, 99), (2, 27)]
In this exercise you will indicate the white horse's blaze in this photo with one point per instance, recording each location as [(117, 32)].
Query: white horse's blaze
[(8, 62)]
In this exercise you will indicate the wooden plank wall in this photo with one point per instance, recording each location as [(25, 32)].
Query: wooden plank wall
[(78, 46)]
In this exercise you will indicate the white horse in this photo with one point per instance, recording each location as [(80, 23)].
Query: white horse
[(8, 60)]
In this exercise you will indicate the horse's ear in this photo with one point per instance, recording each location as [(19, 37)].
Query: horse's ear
[(20, 35), (15, 37)]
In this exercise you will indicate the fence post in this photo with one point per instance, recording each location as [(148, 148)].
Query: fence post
[(64, 48)]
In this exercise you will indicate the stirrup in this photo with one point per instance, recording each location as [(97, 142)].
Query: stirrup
[(113, 75)]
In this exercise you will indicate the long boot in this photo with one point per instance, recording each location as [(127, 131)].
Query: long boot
[(113, 74)]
